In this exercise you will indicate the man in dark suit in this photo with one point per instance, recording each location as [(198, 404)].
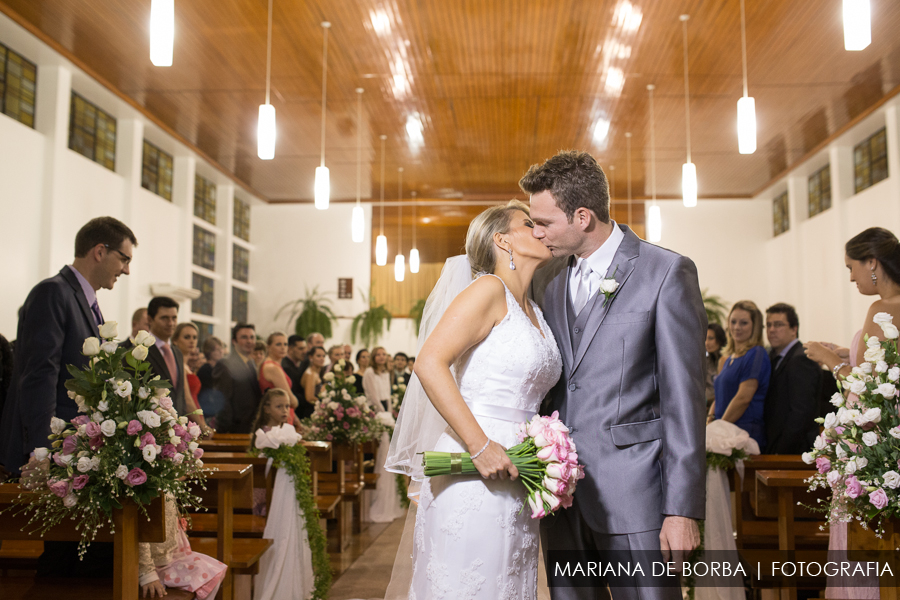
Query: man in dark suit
[(791, 402), (235, 377), (166, 359), (291, 363), (59, 313)]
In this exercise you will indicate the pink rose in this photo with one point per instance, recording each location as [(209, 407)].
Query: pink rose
[(165, 402), (57, 458), (135, 477), (179, 430), (187, 437), (60, 488), (329, 437), (549, 453), (346, 425), (69, 444), (80, 481), (823, 464), (134, 426), (854, 487), (537, 507), (339, 416), (93, 429), (198, 453), (168, 451), (839, 430), (147, 440), (365, 429), (565, 501), (182, 446), (878, 498), (80, 420), (96, 443)]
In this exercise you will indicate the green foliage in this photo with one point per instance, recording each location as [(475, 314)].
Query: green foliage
[(370, 325), (402, 490), (415, 313), (715, 460), (310, 314), (294, 462), (716, 309)]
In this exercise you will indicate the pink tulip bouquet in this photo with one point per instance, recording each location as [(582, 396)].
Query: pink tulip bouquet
[(545, 457)]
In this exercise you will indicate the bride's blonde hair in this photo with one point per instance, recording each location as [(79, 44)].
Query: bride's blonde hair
[(480, 237)]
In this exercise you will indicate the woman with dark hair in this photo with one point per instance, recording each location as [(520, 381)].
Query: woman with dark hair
[(362, 363), (873, 259), (715, 341), (744, 372)]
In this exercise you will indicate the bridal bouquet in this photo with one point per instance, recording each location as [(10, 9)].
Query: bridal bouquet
[(858, 453), (340, 414), (545, 457), (129, 443)]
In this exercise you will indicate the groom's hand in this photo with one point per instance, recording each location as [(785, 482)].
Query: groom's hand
[(677, 538)]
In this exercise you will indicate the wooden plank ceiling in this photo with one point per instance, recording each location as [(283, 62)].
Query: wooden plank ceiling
[(471, 93)]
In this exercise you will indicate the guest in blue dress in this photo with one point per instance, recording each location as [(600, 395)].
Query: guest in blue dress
[(744, 372)]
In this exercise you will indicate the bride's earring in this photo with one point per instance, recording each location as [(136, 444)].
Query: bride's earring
[(512, 265), (874, 278)]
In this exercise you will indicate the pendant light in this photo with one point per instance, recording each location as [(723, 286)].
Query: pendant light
[(323, 184), (688, 169), (265, 128), (162, 32), (358, 218), (628, 172), (654, 216), (414, 252), (857, 24), (381, 249), (746, 106), (399, 260)]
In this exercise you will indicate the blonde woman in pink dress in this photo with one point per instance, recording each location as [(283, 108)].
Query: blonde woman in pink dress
[(873, 259)]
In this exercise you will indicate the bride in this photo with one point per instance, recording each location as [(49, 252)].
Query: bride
[(486, 361)]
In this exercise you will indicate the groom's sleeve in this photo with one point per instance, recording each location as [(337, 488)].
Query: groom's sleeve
[(680, 334)]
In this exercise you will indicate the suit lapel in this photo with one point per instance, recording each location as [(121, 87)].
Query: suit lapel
[(558, 290), (72, 280), (786, 358), (622, 265)]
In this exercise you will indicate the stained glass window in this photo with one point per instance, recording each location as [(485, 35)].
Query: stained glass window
[(205, 199), (156, 172), (204, 304), (819, 186), (870, 161), (204, 248), (242, 220), (204, 330), (240, 264), (18, 80), (92, 132), (239, 302), (780, 219)]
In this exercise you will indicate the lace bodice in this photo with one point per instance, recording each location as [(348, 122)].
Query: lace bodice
[(514, 366)]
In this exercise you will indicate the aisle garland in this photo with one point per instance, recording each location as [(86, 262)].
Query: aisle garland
[(294, 462), (402, 490)]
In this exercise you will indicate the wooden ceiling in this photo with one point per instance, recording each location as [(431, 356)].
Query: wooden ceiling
[(470, 94)]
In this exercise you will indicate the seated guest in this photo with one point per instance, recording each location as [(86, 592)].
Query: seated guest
[(259, 353), (296, 354), (335, 354), (209, 398), (272, 375), (377, 381), (185, 339), (715, 341), (362, 363), (791, 403), (400, 374), (166, 360), (312, 378), (313, 340), (139, 322), (744, 372), (411, 365), (235, 377)]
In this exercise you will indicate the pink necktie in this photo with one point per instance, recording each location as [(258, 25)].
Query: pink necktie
[(170, 363)]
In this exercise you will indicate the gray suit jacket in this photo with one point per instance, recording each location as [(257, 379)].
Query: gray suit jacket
[(633, 389)]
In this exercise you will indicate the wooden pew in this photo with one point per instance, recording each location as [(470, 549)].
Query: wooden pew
[(130, 525), (349, 485), (865, 539)]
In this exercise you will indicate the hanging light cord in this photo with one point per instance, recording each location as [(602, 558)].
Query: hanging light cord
[(383, 137), (414, 219), (687, 89), (628, 172), (325, 25), (650, 89), (744, 47), (359, 93), (400, 210), (269, 53)]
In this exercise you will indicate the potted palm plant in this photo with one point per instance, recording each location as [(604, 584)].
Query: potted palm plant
[(370, 325), (310, 314), (415, 313), (716, 309)]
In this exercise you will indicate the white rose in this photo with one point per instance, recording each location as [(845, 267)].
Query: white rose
[(194, 430), (121, 471), (894, 374), (820, 443), (850, 467), (830, 421), (71, 394), (84, 464), (139, 352), (144, 338), (143, 393), (837, 399), (608, 286), (866, 368), (351, 379), (41, 453), (148, 418), (193, 446), (881, 367), (109, 330), (839, 451), (888, 390), (882, 317), (108, 427), (149, 453), (123, 388), (861, 462), (858, 387), (91, 347), (109, 346), (57, 425), (95, 463), (891, 479), (103, 406), (82, 405), (65, 458), (333, 405), (83, 453), (874, 354), (833, 477), (70, 500), (385, 418), (873, 342), (808, 458), (178, 458), (161, 392), (873, 415), (890, 331), (97, 417), (328, 377), (895, 432), (870, 438), (847, 417)]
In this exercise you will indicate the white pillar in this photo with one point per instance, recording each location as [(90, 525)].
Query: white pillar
[(224, 258)]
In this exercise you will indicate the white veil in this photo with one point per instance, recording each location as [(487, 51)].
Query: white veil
[(419, 425)]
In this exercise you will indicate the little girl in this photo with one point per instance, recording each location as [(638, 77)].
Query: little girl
[(274, 410)]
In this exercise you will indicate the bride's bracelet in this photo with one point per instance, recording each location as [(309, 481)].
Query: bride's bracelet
[(477, 454)]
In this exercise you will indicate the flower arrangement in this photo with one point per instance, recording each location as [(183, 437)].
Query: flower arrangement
[(398, 391), (727, 445), (857, 455), (282, 445), (545, 457), (129, 443), (340, 414)]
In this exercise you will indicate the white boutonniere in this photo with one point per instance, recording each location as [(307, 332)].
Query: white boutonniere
[(608, 287)]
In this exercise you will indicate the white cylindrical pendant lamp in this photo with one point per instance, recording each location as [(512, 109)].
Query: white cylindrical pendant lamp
[(323, 188), (689, 184), (414, 261), (746, 124), (654, 224), (399, 268), (162, 32), (857, 24), (381, 250), (265, 132)]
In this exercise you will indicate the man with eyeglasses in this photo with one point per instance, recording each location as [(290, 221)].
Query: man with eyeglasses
[(791, 403), (59, 313)]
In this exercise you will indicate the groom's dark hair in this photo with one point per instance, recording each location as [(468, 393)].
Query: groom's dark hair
[(574, 179)]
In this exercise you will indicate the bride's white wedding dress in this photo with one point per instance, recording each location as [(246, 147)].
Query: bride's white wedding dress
[(472, 539)]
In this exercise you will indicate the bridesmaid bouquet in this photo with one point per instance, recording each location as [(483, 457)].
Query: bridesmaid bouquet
[(545, 457)]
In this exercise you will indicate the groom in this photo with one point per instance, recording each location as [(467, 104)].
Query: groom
[(630, 323)]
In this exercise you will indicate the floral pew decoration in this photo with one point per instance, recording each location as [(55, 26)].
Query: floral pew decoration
[(341, 415)]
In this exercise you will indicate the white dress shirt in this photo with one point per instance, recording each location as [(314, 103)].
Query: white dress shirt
[(599, 262)]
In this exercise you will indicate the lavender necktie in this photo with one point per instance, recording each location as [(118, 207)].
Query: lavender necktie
[(98, 317)]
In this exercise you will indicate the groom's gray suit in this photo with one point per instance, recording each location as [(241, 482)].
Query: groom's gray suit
[(632, 388)]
